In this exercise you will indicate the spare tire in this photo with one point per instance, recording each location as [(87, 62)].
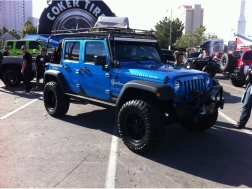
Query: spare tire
[(227, 63)]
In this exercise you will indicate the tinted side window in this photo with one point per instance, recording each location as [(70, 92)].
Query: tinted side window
[(247, 56), (33, 45), (72, 51), (10, 44), (19, 44), (94, 49)]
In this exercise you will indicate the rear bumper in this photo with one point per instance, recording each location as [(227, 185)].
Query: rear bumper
[(237, 74), (202, 104)]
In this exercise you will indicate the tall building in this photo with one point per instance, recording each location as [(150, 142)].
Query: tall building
[(191, 17), (241, 29), (13, 14)]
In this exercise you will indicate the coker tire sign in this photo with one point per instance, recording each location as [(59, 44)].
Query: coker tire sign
[(71, 14)]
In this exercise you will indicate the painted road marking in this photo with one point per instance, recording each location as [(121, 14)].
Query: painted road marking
[(233, 122), (18, 109), (112, 163), (232, 87)]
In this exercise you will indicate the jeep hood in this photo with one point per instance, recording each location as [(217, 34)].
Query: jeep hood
[(158, 72)]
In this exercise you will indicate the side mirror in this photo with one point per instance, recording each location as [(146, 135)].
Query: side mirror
[(100, 60)]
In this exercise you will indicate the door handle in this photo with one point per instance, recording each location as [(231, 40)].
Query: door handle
[(85, 69), (66, 66)]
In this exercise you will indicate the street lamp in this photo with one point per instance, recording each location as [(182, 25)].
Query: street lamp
[(170, 40)]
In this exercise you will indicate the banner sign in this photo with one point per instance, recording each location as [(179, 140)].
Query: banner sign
[(71, 14)]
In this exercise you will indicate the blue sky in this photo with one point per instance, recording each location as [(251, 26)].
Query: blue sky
[(220, 16)]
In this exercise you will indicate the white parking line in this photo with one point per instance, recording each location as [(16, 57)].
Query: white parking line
[(112, 163), (232, 87), (233, 122), (20, 108)]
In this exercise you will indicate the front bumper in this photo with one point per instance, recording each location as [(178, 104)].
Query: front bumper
[(202, 104)]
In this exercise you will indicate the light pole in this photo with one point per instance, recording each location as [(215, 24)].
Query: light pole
[(170, 40)]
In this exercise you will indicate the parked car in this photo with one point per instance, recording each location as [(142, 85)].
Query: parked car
[(126, 71), (168, 54), (207, 64), (33, 46), (11, 69), (232, 65)]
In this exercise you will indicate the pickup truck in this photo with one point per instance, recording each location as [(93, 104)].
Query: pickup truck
[(11, 69), (125, 70)]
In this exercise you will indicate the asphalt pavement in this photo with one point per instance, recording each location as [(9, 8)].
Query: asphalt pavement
[(82, 149)]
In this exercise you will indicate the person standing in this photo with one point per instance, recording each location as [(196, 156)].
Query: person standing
[(6, 52), (179, 56), (1, 75), (27, 69), (247, 103), (40, 66)]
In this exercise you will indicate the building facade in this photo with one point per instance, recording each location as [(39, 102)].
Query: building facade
[(13, 14), (192, 17)]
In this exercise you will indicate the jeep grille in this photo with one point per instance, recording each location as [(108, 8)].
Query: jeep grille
[(194, 85)]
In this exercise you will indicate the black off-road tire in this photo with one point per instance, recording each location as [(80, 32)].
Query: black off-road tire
[(142, 115), (12, 76), (210, 70), (201, 124), (227, 63), (55, 101), (237, 82)]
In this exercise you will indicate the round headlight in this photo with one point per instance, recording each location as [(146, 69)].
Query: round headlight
[(176, 85)]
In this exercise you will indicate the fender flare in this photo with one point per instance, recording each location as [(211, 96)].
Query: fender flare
[(166, 92), (55, 75)]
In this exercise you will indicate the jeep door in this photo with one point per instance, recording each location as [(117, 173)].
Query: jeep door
[(95, 79), (70, 64)]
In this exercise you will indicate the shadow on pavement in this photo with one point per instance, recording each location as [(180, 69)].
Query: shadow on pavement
[(221, 154), (18, 91), (98, 119)]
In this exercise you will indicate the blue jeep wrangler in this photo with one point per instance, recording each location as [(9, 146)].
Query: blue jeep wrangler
[(126, 70)]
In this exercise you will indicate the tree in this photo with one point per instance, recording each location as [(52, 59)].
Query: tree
[(193, 38), (3, 30), (162, 31), (28, 28), (13, 31)]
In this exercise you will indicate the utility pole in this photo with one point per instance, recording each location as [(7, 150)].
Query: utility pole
[(170, 31)]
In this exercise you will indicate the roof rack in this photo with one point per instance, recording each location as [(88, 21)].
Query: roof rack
[(105, 32)]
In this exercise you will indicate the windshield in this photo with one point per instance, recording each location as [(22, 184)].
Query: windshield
[(44, 43), (136, 51)]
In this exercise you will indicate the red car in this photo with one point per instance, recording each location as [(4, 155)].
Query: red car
[(232, 65)]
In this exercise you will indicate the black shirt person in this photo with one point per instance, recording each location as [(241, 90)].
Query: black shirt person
[(40, 66), (6, 52), (1, 75), (27, 69)]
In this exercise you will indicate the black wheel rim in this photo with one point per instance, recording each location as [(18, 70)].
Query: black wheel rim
[(135, 127), (224, 62), (10, 77), (51, 100)]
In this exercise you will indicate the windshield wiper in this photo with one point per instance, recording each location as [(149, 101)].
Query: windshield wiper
[(146, 58), (127, 58)]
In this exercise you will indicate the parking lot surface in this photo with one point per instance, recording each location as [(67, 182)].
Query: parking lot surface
[(82, 148)]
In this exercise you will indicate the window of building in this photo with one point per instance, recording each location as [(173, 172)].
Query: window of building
[(94, 49), (72, 51)]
